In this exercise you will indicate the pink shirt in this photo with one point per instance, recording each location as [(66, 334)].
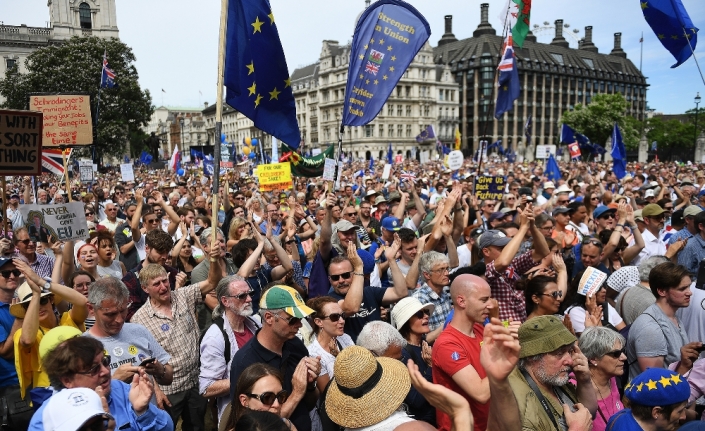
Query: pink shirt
[(607, 407)]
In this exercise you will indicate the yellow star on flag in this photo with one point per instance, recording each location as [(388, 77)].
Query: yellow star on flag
[(391, 68), (629, 385), (372, 41), (287, 82), (665, 381), (362, 76), (394, 58), (651, 385), (384, 77), (674, 37), (259, 97), (257, 25), (367, 46), (389, 47), (271, 18), (676, 379), (644, 5), (367, 81), (274, 94), (639, 386), (660, 36), (381, 41), (251, 67), (376, 82), (252, 89), (361, 57)]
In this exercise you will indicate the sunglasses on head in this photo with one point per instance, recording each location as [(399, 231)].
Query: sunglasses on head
[(616, 354), (592, 241), (6, 274), (333, 317), (336, 277), (421, 313), (268, 398)]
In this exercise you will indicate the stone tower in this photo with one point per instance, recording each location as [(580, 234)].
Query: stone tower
[(83, 18)]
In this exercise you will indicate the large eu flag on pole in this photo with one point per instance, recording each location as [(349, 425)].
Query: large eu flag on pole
[(256, 75), (567, 134), (508, 85), (673, 27), (387, 37), (619, 154)]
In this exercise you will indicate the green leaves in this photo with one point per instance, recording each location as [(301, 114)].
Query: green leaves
[(597, 119)]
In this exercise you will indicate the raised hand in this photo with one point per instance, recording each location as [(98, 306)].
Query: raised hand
[(391, 252), (558, 263), (180, 280), (141, 391), (354, 258), (500, 349)]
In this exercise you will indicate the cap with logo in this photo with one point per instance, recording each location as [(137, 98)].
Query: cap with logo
[(285, 298), (70, 409), (391, 223)]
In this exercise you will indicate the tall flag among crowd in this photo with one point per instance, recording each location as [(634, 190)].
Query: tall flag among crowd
[(508, 85), (175, 161), (672, 25), (552, 171), (52, 160), (107, 78), (256, 75), (426, 133), (619, 154), (527, 131), (390, 154), (516, 17)]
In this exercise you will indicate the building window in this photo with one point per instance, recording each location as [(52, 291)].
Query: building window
[(400, 110), (390, 110), (408, 110), (391, 131), (558, 58), (425, 110), (368, 131), (381, 131), (400, 131), (407, 91), (84, 13), (11, 64), (408, 130), (440, 95)]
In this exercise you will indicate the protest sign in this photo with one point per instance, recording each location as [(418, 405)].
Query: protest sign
[(67, 118), (126, 171), (489, 187), (226, 164), (543, 151), (399, 158), (591, 281), (387, 171), (329, 170), (455, 160), (63, 222), (274, 176), (86, 172), (20, 143)]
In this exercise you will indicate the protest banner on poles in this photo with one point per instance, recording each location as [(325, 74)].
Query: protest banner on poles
[(489, 187), (274, 176), (20, 143), (67, 119), (63, 222)]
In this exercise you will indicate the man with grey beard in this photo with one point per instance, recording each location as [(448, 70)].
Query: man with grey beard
[(547, 401), (232, 327)]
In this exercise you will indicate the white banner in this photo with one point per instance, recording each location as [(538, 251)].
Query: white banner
[(126, 171), (62, 221)]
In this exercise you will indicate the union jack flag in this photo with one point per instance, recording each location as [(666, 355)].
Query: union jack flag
[(408, 176), (372, 68), (52, 160), (108, 77)]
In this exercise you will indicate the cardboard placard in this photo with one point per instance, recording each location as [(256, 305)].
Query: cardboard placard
[(67, 119), (20, 142), (387, 171), (329, 170), (274, 176), (489, 187), (591, 281), (544, 151), (86, 173), (64, 222), (128, 174), (455, 160), (226, 164)]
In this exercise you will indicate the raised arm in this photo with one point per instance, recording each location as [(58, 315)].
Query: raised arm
[(412, 277), (173, 217), (541, 249), (251, 261), (631, 252), (399, 289), (510, 250), (327, 228), (215, 272), (68, 266), (285, 262), (180, 243), (353, 299), (135, 222)]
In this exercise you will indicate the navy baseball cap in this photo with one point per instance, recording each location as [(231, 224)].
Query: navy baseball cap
[(494, 237), (4, 261), (391, 223)]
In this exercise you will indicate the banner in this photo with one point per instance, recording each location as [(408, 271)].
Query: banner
[(388, 35), (274, 176), (489, 187), (67, 119), (64, 222), (20, 143), (126, 171), (307, 167)]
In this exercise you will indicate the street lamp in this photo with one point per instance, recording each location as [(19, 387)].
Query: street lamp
[(697, 102)]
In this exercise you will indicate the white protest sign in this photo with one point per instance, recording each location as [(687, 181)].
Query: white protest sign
[(126, 171), (425, 156), (455, 160), (591, 281), (329, 170), (544, 151), (64, 222), (387, 171), (86, 173)]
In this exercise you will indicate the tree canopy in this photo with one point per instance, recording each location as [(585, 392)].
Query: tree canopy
[(596, 120), (75, 67)]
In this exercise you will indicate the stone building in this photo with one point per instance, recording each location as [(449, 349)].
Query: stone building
[(176, 126)]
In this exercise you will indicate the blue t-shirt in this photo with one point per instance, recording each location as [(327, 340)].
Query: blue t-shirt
[(623, 421), (369, 310), (8, 373)]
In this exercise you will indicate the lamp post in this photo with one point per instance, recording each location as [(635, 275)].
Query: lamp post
[(697, 102)]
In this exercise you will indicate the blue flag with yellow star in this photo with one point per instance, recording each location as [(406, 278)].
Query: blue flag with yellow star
[(387, 38), (673, 27), (256, 75)]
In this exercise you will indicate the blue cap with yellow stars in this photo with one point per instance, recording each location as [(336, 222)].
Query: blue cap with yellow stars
[(657, 387)]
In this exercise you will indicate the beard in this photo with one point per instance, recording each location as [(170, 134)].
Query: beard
[(245, 311), (552, 379)]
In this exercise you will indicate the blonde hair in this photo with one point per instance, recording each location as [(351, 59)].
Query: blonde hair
[(150, 272), (235, 224)]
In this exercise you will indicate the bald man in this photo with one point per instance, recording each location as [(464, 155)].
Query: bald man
[(456, 353)]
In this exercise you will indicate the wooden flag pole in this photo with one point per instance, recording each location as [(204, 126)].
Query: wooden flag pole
[(4, 208), (219, 117), (66, 174)]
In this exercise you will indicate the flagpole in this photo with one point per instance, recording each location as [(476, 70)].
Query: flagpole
[(66, 173), (97, 106), (641, 56), (4, 208), (338, 162), (685, 33), (219, 118)]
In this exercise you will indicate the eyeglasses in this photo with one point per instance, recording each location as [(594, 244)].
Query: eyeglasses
[(6, 274), (546, 227), (95, 369), (620, 249), (555, 294), (616, 354), (111, 209), (268, 398), (43, 301), (89, 214), (445, 270), (151, 221), (334, 317), (336, 277), (668, 208), (606, 216), (292, 321), (26, 241), (421, 313), (239, 198), (241, 296)]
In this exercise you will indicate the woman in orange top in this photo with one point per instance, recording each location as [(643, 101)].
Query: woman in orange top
[(563, 233)]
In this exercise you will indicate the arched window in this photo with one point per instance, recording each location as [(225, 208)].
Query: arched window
[(84, 12)]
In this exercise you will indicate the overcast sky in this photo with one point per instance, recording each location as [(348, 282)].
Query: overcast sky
[(175, 41)]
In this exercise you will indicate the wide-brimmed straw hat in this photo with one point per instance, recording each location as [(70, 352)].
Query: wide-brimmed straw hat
[(365, 390), (24, 294)]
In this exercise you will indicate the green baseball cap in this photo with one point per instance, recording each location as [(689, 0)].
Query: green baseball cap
[(285, 298)]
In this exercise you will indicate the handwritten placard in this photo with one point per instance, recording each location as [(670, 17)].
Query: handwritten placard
[(64, 222), (489, 187), (20, 143), (274, 176), (329, 170), (591, 281), (126, 171), (67, 119)]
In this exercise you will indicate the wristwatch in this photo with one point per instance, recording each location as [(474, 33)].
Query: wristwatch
[(46, 287)]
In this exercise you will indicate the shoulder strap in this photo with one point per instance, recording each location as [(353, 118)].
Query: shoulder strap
[(221, 325), (540, 396)]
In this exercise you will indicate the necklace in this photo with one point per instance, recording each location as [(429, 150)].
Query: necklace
[(605, 402)]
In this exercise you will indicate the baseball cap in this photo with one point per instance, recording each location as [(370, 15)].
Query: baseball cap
[(494, 237), (391, 223), (690, 211), (561, 210), (543, 334), (70, 409), (496, 215), (344, 226), (601, 210), (55, 337), (5, 260), (285, 298), (651, 210), (638, 216), (649, 193)]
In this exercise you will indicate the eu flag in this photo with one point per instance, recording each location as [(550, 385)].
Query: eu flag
[(619, 154), (567, 134), (387, 37), (390, 154), (552, 171), (673, 27), (508, 85), (425, 134), (256, 75)]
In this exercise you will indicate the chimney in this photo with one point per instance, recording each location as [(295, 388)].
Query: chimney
[(617, 50), (485, 27), (559, 40), (205, 105), (587, 44), (448, 36), (530, 36)]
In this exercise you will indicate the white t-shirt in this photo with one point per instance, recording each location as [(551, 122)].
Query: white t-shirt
[(464, 257), (577, 317)]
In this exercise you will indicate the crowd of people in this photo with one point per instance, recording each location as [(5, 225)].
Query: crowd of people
[(381, 303)]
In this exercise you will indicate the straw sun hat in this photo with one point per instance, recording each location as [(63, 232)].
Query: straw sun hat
[(24, 294), (365, 390)]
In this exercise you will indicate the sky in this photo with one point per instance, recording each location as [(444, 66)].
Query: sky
[(176, 41)]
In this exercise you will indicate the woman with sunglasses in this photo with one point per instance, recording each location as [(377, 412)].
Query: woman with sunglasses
[(604, 350), (543, 296)]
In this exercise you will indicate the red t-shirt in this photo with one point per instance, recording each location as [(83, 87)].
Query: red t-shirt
[(452, 352), (243, 337)]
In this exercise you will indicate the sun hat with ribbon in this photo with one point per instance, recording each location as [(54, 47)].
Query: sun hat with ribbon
[(24, 294)]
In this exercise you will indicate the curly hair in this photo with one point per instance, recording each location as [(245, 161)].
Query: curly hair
[(241, 250), (159, 240)]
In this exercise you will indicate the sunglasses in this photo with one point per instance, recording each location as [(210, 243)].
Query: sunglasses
[(268, 398), (151, 221), (6, 274), (421, 313), (336, 277), (95, 369), (334, 317), (606, 216), (292, 321), (555, 294), (241, 296), (89, 214), (595, 199), (616, 354), (592, 241), (43, 301), (26, 241)]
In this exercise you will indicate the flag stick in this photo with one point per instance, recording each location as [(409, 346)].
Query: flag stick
[(338, 162), (219, 116), (4, 207), (641, 42), (66, 173), (685, 33)]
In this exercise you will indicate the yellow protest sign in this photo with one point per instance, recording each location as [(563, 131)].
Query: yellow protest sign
[(274, 176)]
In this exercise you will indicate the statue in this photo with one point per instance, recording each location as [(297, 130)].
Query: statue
[(521, 151), (530, 154), (153, 143)]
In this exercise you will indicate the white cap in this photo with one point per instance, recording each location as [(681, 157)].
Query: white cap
[(548, 185), (69, 409), (563, 189), (649, 194)]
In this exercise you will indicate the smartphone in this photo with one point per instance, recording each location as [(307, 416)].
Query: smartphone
[(147, 361), (701, 348)]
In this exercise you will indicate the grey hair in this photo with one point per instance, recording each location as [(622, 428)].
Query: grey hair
[(595, 341), (647, 265), (268, 246), (174, 194), (263, 311), (543, 218), (204, 237), (524, 362), (431, 258), (107, 288), (378, 336), (222, 289)]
